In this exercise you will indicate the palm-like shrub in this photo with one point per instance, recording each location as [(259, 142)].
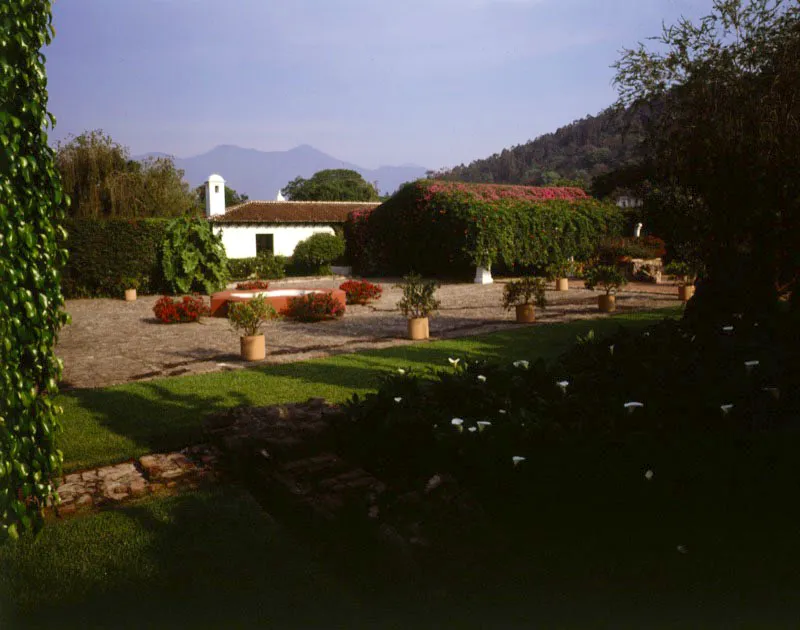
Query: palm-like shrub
[(419, 296), (528, 290), (607, 277), (248, 317)]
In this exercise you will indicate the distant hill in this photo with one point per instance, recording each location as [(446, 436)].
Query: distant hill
[(260, 174), (581, 151)]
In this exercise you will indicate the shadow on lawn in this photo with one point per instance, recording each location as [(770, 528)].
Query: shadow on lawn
[(117, 423)]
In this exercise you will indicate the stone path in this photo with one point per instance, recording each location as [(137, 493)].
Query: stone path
[(157, 473), (112, 341)]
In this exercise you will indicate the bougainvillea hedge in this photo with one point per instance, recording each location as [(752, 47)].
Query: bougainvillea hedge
[(447, 228), (104, 252)]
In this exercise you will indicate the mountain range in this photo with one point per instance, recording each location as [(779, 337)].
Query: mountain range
[(261, 174)]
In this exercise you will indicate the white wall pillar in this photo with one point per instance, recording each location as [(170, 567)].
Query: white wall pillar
[(483, 275)]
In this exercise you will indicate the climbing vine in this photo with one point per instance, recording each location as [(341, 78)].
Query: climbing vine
[(31, 210)]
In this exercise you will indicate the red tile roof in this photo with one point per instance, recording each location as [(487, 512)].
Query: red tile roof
[(292, 211)]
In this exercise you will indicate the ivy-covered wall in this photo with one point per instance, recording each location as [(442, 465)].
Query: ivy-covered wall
[(31, 209), (448, 228), (104, 253)]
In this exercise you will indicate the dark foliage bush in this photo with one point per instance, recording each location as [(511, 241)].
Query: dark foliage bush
[(471, 420), (316, 254), (189, 308), (242, 268), (361, 291), (102, 253), (313, 307), (269, 266), (445, 228)]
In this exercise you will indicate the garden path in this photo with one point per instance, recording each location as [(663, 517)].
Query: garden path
[(112, 341)]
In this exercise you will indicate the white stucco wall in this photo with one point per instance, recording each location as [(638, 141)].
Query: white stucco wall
[(240, 240)]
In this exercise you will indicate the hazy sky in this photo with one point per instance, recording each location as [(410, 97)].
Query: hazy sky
[(430, 82)]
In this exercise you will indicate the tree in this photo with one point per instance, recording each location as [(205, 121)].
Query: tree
[(331, 185), (232, 198), (726, 135), (31, 210), (104, 182)]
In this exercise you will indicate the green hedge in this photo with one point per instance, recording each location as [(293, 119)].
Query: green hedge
[(447, 228), (103, 252)]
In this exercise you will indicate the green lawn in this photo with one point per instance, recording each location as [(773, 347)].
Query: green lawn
[(112, 424)]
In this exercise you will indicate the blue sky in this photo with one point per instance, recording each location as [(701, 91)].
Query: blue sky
[(373, 82)]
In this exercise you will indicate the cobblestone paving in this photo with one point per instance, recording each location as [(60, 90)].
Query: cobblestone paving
[(157, 473)]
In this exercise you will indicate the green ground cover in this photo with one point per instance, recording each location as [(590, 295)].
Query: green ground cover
[(103, 426), (591, 544)]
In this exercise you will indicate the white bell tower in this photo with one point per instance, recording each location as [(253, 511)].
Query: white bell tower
[(215, 196)]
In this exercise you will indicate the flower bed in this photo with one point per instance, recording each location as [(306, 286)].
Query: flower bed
[(189, 308), (313, 307), (277, 298), (361, 291)]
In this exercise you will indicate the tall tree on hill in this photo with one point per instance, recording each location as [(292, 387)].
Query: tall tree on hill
[(331, 185), (727, 135), (579, 151), (104, 182)]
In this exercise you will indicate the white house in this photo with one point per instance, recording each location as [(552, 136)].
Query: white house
[(252, 227)]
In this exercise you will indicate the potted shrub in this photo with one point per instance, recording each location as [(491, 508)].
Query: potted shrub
[(417, 304), (248, 317), (685, 274), (524, 294), (608, 278), (130, 284), (560, 271)]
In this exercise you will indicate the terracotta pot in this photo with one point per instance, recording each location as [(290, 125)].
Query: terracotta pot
[(685, 292), (562, 284), (607, 303), (418, 328), (253, 348), (525, 313), (130, 295)]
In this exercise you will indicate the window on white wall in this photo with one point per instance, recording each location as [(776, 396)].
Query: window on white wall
[(265, 243)]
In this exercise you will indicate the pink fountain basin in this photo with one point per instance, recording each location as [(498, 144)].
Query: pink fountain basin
[(278, 298)]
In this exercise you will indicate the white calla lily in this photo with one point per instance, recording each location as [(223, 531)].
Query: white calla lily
[(726, 408), (517, 460), (453, 362), (649, 475), (563, 385), (483, 424), (481, 378), (397, 399), (522, 363), (630, 406)]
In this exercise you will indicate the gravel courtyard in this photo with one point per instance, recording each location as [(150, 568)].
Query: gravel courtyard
[(112, 341)]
